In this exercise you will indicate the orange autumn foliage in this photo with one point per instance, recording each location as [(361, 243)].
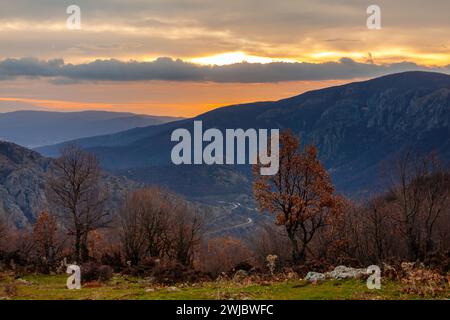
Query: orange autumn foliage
[(300, 195)]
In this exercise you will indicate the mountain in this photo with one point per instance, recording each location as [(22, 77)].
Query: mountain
[(357, 127), (37, 128), (22, 184)]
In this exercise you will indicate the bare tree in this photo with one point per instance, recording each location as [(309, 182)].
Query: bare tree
[(436, 185), (73, 186), (407, 168), (156, 224), (187, 226), (222, 254), (421, 186), (376, 227), (141, 223)]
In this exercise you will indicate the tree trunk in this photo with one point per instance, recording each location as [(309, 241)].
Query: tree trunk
[(297, 256), (77, 252), (413, 247), (84, 250)]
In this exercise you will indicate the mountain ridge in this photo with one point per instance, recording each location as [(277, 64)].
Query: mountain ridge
[(33, 128), (356, 126)]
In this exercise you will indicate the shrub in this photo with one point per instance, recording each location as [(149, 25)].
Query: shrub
[(243, 265), (10, 289), (424, 282), (224, 255), (440, 261), (144, 269), (113, 259), (272, 263), (171, 273), (92, 271)]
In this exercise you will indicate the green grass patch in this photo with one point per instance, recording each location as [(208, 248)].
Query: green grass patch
[(44, 287)]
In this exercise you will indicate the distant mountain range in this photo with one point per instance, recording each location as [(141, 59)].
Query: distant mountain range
[(38, 128), (357, 127)]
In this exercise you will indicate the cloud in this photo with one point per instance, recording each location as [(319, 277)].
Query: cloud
[(294, 29), (168, 69), (29, 67)]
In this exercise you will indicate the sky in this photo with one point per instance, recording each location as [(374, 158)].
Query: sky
[(185, 57)]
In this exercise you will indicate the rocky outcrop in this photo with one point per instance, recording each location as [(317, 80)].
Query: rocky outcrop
[(343, 272), (22, 185), (22, 181), (339, 273)]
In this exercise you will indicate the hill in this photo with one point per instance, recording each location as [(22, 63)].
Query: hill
[(357, 127), (37, 128), (22, 184)]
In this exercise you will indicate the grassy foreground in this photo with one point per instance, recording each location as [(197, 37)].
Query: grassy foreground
[(121, 287)]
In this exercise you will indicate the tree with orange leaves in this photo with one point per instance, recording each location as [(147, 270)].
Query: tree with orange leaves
[(300, 195), (47, 242)]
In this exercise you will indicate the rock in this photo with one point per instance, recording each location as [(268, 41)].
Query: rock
[(147, 281), (315, 276), (24, 282), (339, 273), (240, 275), (150, 290), (343, 272), (173, 289)]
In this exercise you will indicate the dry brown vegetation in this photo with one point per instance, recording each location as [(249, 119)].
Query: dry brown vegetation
[(155, 224), (159, 235)]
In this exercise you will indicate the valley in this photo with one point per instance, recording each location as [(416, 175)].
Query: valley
[(357, 127)]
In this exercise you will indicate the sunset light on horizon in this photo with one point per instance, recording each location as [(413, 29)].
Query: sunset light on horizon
[(156, 58)]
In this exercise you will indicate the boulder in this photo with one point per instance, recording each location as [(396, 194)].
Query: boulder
[(315, 276), (240, 275), (343, 272)]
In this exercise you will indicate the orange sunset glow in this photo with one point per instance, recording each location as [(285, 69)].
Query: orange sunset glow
[(152, 57), (191, 99)]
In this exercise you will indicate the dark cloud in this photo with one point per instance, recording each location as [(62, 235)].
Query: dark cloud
[(168, 69)]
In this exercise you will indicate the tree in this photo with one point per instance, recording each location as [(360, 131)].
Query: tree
[(133, 225), (377, 228), (157, 224), (300, 194), (48, 245), (73, 186), (186, 234), (421, 187), (436, 185), (270, 239), (222, 254)]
